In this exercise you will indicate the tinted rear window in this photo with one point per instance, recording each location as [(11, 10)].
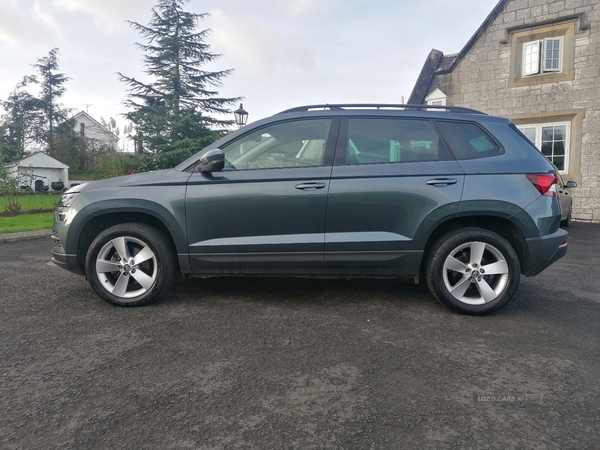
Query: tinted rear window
[(372, 141), (468, 141)]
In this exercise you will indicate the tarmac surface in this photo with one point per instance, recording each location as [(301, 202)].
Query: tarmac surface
[(277, 363)]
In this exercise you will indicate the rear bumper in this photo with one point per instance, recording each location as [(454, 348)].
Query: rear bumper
[(545, 250)]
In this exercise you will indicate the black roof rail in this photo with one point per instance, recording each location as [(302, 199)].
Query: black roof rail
[(325, 106)]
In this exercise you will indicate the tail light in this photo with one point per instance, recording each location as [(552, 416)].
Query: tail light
[(545, 183)]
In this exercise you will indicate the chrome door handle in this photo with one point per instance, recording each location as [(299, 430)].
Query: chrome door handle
[(310, 186), (441, 181)]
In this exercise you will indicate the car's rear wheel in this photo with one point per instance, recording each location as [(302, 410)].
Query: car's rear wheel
[(130, 264), (473, 271)]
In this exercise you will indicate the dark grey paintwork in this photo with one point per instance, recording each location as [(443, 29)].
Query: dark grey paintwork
[(259, 218), (375, 211), (370, 219)]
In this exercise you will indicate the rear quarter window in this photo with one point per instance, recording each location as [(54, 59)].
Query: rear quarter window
[(468, 140)]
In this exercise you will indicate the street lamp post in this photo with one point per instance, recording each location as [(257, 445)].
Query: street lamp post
[(241, 116)]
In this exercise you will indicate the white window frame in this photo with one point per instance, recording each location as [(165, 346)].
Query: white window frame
[(538, 138), (436, 98), (545, 68), (531, 58), (534, 61)]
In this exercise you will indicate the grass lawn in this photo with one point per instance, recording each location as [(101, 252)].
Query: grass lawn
[(30, 202), (26, 222)]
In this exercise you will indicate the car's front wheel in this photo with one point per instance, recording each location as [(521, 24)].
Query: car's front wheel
[(473, 271), (130, 264)]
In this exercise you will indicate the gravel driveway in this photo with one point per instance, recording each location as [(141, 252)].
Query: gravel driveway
[(279, 363)]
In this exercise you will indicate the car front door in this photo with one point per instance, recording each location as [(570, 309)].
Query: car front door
[(265, 211), (392, 180)]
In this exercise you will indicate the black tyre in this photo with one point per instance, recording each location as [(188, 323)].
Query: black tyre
[(473, 271), (567, 222), (130, 264)]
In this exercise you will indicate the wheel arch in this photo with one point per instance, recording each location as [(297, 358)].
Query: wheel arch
[(106, 217), (501, 225)]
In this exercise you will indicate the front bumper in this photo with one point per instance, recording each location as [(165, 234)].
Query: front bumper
[(64, 260), (545, 250)]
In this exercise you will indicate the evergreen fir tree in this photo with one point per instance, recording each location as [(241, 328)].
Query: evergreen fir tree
[(176, 110), (16, 125), (51, 111)]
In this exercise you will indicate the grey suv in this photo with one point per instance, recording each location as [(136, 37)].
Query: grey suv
[(445, 194)]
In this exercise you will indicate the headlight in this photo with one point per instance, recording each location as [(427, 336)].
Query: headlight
[(66, 201), (61, 212)]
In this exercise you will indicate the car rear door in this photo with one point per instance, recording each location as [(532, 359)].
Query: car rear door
[(392, 182)]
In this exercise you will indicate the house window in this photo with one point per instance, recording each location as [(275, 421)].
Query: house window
[(542, 56), (542, 53), (552, 139)]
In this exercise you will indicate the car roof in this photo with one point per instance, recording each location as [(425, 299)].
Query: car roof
[(387, 110), (380, 106)]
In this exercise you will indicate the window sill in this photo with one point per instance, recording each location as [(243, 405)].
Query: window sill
[(532, 80)]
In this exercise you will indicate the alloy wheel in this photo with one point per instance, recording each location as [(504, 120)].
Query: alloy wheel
[(126, 267), (475, 273)]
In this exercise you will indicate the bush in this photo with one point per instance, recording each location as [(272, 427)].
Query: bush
[(11, 204), (8, 185), (115, 164)]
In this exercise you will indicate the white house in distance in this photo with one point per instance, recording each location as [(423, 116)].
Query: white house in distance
[(94, 131), (39, 172)]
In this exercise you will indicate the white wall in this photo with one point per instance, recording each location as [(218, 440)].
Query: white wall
[(28, 175), (94, 132)]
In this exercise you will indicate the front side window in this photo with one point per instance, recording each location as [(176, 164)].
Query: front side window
[(552, 139), (289, 144), (378, 140), (542, 56)]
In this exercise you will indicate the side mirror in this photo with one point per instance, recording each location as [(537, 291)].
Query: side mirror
[(571, 184), (211, 161)]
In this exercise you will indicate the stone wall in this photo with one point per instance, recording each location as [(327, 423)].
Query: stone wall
[(484, 79)]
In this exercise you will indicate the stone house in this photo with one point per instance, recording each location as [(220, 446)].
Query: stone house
[(538, 63)]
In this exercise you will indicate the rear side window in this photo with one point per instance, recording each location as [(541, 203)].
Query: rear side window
[(467, 140), (377, 140)]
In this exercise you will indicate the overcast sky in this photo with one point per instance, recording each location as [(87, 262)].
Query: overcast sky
[(285, 52)]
